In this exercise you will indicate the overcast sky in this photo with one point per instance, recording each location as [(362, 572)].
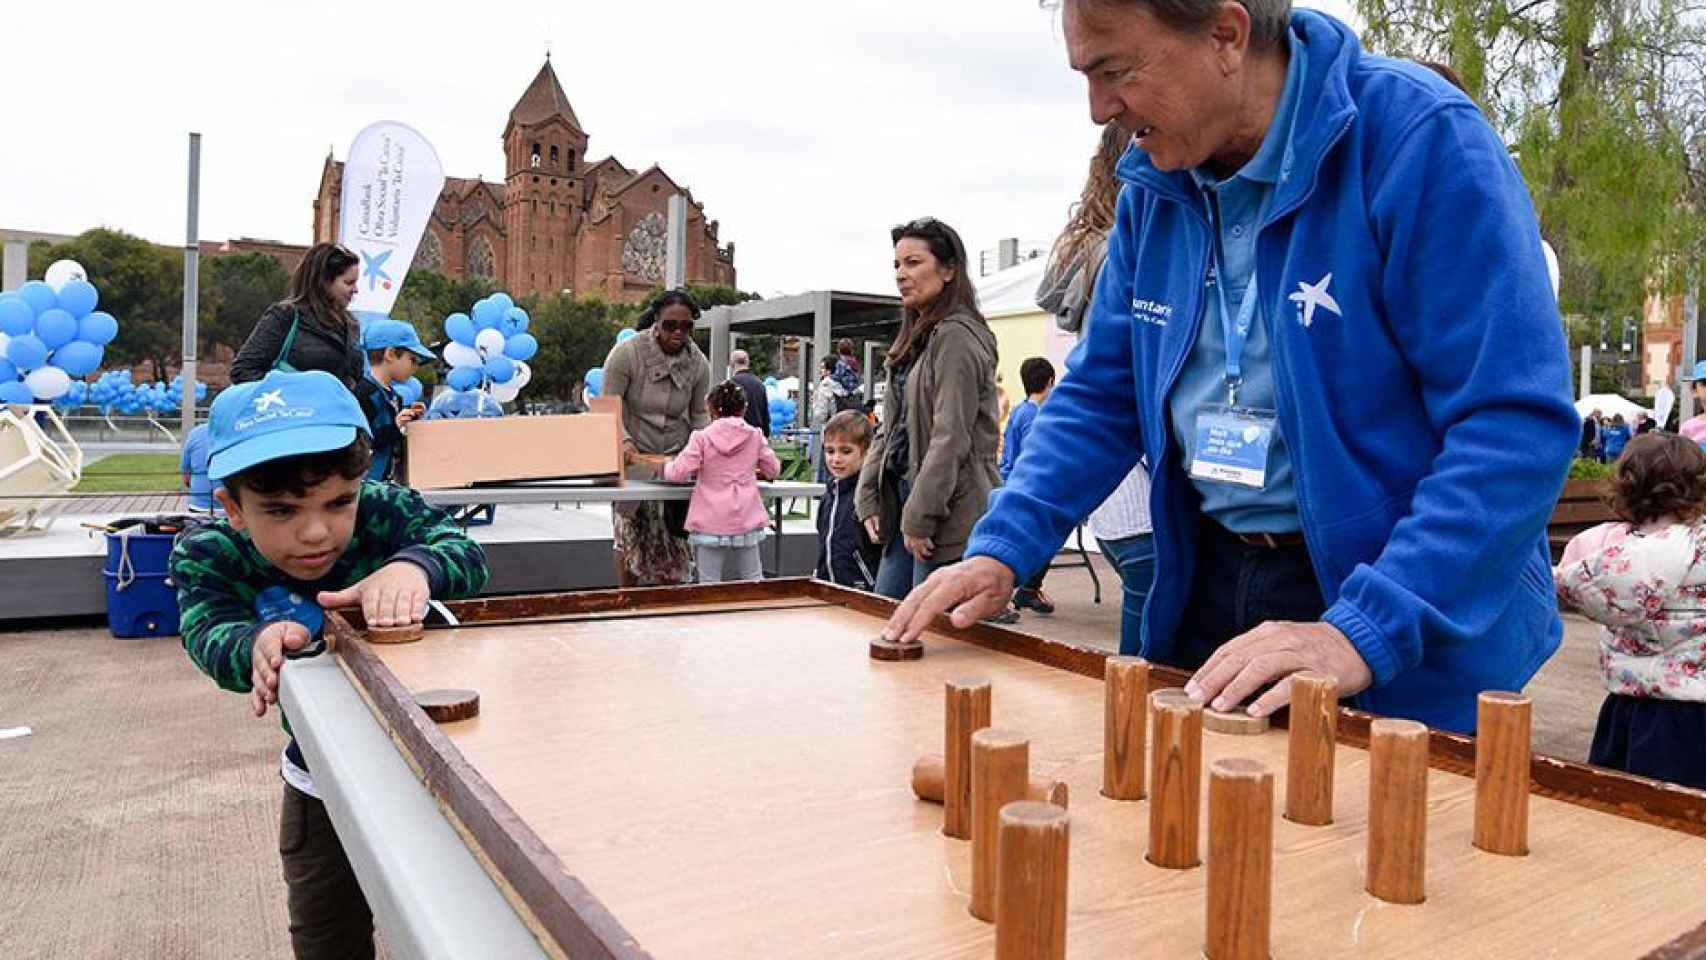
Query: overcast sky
[(806, 128)]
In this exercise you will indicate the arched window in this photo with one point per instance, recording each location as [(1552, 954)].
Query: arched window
[(480, 262), (536, 156), (553, 155), (571, 160), (430, 255)]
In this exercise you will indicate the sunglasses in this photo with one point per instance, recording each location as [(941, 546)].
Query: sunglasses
[(676, 326), (925, 225)]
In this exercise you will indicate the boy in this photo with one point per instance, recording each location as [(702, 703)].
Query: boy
[(303, 531), (1037, 376), (192, 462), (394, 352), (845, 555)]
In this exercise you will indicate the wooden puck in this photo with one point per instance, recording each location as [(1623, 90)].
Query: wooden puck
[(449, 706), (408, 633), (1233, 721), (888, 650)]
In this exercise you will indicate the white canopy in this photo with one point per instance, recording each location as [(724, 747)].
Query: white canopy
[(1013, 291), (1609, 404)]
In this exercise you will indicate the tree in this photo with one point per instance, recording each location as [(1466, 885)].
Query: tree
[(575, 335), (428, 297), (141, 285), (234, 292), (1604, 102)]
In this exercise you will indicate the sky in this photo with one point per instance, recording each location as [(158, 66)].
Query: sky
[(807, 129)]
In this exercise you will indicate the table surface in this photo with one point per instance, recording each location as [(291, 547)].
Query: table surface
[(570, 491), (735, 783)]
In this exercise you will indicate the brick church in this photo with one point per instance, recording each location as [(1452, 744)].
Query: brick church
[(558, 222)]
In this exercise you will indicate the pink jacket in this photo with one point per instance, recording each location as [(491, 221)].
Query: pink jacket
[(728, 456)]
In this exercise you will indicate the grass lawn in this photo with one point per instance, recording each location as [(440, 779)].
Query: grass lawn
[(132, 473)]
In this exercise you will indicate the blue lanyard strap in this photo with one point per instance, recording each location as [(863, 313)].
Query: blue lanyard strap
[(1234, 328)]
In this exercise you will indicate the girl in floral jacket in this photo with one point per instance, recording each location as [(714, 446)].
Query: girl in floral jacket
[(1643, 579)]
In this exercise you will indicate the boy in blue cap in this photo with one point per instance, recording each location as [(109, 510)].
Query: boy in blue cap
[(305, 530), (394, 352)]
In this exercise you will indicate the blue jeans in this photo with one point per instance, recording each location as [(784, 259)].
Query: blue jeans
[(1134, 559), (1237, 587), (900, 571)]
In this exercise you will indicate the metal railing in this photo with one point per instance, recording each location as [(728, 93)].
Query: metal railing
[(89, 425)]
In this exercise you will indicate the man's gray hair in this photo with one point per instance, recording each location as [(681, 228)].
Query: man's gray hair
[(739, 360), (1268, 18)]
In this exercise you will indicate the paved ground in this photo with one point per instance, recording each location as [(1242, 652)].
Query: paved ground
[(140, 817)]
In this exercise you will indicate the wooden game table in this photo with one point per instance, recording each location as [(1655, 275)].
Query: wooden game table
[(723, 771)]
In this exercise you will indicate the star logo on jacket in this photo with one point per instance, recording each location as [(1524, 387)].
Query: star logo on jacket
[(268, 400), (1312, 295)]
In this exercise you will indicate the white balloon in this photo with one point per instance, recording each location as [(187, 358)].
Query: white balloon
[(1552, 272), (504, 392), (523, 375), (461, 355), (48, 383), (62, 272), (490, 342)]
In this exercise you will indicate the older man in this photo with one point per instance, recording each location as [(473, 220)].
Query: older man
[(757, 399), (1326, 319)]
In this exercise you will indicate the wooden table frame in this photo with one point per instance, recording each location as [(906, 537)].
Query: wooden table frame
[(572, 921)]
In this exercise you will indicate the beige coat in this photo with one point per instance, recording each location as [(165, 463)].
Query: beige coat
[(663, 397), (951, 413)]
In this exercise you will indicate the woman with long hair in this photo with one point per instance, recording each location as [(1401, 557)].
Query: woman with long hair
[(311, 328), (927, 478), (663, 378)]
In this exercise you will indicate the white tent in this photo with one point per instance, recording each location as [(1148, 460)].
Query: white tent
[(1609, 404), (1011, 291)]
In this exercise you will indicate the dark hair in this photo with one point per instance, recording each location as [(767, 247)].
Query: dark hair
[(959, 295), (1268, 18), (1444, 70), (1036, 374), (727, 399), (1659, 474), (850, 424), (667, 298), (829, 364), (293, 475), (323, 263), (844, 346)]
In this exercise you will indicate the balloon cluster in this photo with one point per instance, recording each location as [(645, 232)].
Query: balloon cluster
[(594, 379), (783, 408), (50, 333), (488, 352), (113, 392)]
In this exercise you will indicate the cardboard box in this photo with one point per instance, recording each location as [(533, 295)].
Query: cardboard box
[(444, 454)]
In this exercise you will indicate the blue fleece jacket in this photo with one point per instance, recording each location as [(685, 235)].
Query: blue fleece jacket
[(1421, 373)]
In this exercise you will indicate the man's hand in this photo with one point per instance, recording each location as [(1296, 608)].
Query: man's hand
[(968, 591), (920, 547), (393, 596), (267, 659), (873, 529), (1275, 651)]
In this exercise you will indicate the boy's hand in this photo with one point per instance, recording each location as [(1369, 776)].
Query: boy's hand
[(394, 595), (268, 658), (408, 415), (873, 529)]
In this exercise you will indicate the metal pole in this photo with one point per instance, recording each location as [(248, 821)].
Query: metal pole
[(675, 244), (1586, 377), (192, 273), (17, 265), (1690, 349)]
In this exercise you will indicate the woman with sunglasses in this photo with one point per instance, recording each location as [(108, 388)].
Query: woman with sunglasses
[(312, 328), (662, 377), (927, 478)]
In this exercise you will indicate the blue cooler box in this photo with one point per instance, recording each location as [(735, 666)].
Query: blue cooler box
[(142, 601)]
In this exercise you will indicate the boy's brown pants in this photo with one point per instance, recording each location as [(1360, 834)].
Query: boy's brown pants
[(329, 918)]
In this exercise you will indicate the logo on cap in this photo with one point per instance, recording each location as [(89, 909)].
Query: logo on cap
[(268, 400)]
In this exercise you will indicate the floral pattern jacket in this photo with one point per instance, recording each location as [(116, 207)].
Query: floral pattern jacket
[(1647, 587)]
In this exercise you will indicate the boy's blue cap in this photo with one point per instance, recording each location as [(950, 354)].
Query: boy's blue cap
[(1698, 373), (394, 333), (282, 415)]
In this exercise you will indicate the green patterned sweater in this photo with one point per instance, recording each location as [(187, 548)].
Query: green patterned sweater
[(219, 572)]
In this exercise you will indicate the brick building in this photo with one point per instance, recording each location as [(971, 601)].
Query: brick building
[(558, 221)]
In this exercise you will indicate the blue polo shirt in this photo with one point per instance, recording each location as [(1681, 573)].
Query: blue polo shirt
[(1235, 207), (193, 461)]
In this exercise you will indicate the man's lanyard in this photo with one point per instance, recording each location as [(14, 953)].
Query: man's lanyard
[(1235, 329)]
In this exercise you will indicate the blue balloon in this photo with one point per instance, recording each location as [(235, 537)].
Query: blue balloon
[(201, 390), (27, 352), (487, 314), (15, 392), (504, 302), (515, 321), (500, 369), (39, 295), (463, 378), (56, 328), (460, 328), (17, 317), (594, 381), (522, 347), (625, 334), (78, 297), (79, 358), (7, 370), (409, 391), (98, 328)]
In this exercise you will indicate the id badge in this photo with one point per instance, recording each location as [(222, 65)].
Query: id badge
[(1232, 445)]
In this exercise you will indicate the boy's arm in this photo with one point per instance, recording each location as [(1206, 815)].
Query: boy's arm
[(429, 538), (769, 467), (381, 419), (217, 626)]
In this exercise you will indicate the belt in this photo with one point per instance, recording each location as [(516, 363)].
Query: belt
[(1270, 541)]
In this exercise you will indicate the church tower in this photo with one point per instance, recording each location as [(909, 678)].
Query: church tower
[(545, 150)]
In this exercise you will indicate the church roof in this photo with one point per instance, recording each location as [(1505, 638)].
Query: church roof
[(543, 99)]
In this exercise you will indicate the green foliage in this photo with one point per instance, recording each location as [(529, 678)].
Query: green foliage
[(141, 284), (428, 297), (1581, 469), (575, 335), (234, 292)]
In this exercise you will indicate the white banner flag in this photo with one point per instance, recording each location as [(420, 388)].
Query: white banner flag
[(392, 179)]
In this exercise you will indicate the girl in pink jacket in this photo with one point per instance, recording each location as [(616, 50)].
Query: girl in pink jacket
[(725, 520)]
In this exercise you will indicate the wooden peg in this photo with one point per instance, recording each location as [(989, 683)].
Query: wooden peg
[(1000, 770), (1240, 860), (890, 650), (1309, 753), (1030, 914), (968, 702), (1125, 683), (1175, 779), (1502, 746), (1397, 810), (928, 776)]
